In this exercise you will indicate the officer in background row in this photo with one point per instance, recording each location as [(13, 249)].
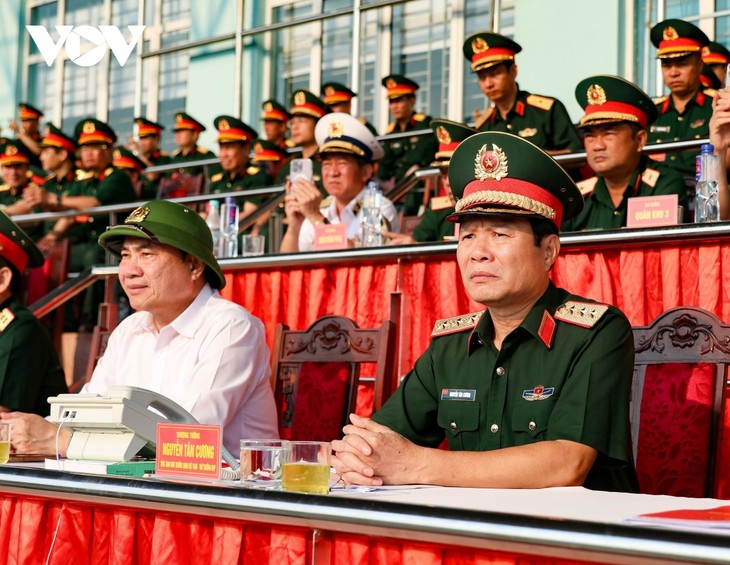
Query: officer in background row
[(404, 155), (270, 157), (685, 112), (29, 130), (130, 164), (276, 123), (717, 57), (433, 225), (617, 114), (306, 109), (147, 149), (18, 179), (235, 139), (541, 120), (339, 98), (187, 131), (30, 371)]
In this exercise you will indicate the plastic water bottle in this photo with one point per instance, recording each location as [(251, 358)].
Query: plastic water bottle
[(707, 208), (213, 219), (228, 245), (372, 217)]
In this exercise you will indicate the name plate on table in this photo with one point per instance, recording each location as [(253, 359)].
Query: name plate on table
[(188, 450), (330, 236), (653, 211)]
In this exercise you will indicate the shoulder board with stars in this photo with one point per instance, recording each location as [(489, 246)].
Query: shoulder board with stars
[(649, 177), (176, 152), (420, 117), (325, 202), (4, 187), (84, 175), (289, 143), (542, 102), (390, 128), (202, 150), (109, 170), (253, 170), (456, 324), (6, 316), (586, 186), (164, 154), (49, 176), (583, 314), (487, 115), (710, 92), (660, 100), (216, 177)]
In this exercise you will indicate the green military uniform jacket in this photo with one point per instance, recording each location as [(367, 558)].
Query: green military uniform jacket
[(56, 187), (541, 120), (197, 154), (111, 187), (29, 368), (648, 179), (693, 123), (149, 187), (434, 227), (252, 177), (9, 196), (401, 154), (561, 374)]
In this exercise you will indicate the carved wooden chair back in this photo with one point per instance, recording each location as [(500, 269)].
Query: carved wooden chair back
[(678, 395), (315, 374)]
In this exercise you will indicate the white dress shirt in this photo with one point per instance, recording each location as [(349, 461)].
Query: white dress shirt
[(212, 360), (351, 216)]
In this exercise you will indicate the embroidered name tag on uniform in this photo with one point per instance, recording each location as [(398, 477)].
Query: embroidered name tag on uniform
[(458, 394), (538, 393), (660, 129)]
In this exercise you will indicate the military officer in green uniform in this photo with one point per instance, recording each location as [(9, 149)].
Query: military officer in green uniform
[(433, 225), (403, 156), (339, 98), (147, 149), (29, 368), (235, 139), (717, 57), (531, 392), (685, 112), (617, 114), (276, 123), (540, 119), (187, 131), (307, 108), (17, 179), (270, 157), (130, 164), (28, 131)]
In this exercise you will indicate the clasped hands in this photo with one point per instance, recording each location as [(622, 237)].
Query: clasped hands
[(373, 455)]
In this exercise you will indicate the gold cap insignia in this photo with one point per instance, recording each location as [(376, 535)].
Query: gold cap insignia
[(596, 95), (490, 164), (48, 131), (223, 124), (670, 34), (258, 148), (11, 150), (137, 215), (442, 134), (179, 118), (705, 51), (391, 83), (336, 129), (89, 127), (479, 45), (300, 98), (268, 107), (329, 91), (117, 154)]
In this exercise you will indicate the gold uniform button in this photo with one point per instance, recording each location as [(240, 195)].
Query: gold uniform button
[(680, 118), (673, 158), (453, 426), (494, 429), (509, 126), (500, 371), (616, 213), (532, 426)]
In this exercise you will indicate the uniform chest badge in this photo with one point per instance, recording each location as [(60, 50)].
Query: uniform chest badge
[(527, 132), (540, 392), (463, 394), (660, 129), (697, 123)]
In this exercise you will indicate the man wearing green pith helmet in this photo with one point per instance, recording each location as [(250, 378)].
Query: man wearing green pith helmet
[(185, 341), (531, 392)]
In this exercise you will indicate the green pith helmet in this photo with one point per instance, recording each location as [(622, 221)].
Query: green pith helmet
[(495, 173), (16, 247), (677, 38), (171, 223), (607, 98)]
